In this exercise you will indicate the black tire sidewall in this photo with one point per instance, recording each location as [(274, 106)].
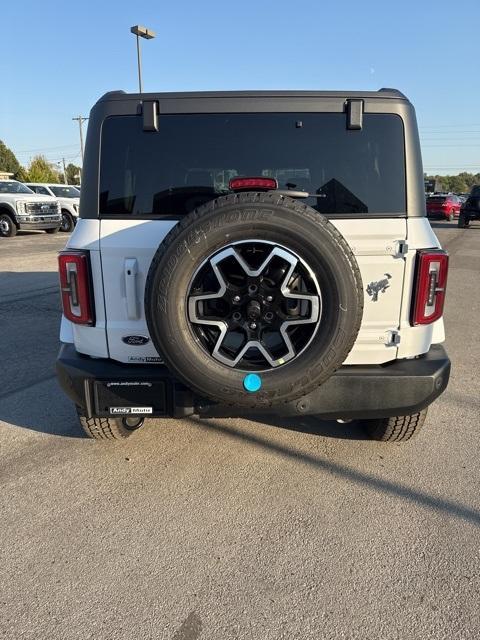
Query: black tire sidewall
[(297, 228), (68, 216)]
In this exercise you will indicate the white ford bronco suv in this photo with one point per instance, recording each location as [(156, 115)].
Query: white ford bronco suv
[(249, 254), (21, 208)]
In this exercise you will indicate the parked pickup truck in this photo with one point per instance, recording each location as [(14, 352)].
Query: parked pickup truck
[(20, 208), (67, 195)]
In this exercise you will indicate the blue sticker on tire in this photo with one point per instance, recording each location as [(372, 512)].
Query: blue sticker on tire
[(252, 382)]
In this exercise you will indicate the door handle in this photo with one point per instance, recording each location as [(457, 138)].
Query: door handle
[(130, 271)]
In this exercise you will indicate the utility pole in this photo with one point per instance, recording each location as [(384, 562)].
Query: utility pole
[(81, 120), (64, 171)]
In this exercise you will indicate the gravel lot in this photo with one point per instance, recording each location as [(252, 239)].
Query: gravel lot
[(230, 528)]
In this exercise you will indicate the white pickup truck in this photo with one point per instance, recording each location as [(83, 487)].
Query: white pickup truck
[(21, 208), (67, 195)]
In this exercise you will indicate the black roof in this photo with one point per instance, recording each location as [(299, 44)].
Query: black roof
[(381, 93)]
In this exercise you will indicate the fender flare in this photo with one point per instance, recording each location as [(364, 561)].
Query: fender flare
[(70, 208)]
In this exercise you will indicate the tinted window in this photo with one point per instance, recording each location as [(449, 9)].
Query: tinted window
[(13, 187), (65, 192), (192, 158), (41, 190)]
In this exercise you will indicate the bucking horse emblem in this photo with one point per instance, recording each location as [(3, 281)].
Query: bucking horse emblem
[(374, 288)]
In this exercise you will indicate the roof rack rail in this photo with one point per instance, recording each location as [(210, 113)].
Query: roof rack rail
[(391, 90), (111, 94)]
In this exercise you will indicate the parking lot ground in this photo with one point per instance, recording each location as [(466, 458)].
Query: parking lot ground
[(226, 529)]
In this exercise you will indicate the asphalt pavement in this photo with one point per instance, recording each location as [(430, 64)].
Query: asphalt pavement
[(232, 529)]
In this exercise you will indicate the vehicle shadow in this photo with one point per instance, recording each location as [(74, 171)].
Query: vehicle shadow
[(315, 426), (343, 472), (41, 407), (311, 425)]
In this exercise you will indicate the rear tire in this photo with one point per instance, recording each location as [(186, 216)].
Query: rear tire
[(7, 226), (109, 428), (50, 231), (463, 221), (395, 429)]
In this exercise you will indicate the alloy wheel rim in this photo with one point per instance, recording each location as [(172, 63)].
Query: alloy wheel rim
[(254, 305), (4, 224)]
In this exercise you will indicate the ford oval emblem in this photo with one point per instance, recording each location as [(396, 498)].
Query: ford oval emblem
[(135, 341)]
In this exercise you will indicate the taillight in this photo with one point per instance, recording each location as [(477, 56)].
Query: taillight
[(240, 184), (430, 285), (75, 287)]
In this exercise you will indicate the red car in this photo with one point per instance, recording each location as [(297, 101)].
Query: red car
[(443, 206)]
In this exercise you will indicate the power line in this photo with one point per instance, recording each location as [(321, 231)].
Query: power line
[(56, 160), (41, 149)]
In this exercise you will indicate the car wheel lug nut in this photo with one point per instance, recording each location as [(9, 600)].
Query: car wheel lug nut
[(269, 298), (253, 325), (236, 298), (237, 316)]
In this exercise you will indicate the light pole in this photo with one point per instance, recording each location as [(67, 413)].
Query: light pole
[(148, 34)]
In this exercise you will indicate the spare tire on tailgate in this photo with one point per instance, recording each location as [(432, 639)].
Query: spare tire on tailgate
[(254, 299)]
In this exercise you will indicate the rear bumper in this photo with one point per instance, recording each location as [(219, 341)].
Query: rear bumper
[(104, 387), (440, 215)]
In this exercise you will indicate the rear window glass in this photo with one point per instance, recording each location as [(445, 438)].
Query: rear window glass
[(192, 157), (434, 200)]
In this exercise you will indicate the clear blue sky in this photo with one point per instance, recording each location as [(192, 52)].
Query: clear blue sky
[(57, 58)]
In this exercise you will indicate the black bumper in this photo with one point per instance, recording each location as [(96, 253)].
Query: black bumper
[(104, 387)]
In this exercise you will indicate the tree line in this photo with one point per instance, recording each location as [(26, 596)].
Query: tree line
[(39, 169), (461, 183)]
